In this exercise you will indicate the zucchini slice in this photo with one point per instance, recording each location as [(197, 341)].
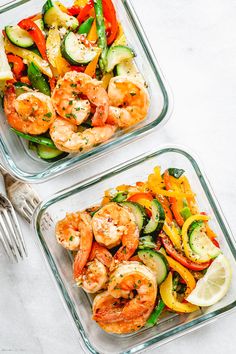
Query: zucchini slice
[(40, 24), (120, 197), (52, 14), (157, 220), (116, 55), (49, 154), (175, 172), (126, 67), (76, 52), (139, 213), (157, 262), (200, 243), (18, 36)]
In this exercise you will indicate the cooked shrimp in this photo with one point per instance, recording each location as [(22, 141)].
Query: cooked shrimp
[(86, 241), (73, 96), (94, 277), (102, 254), (66, 137), (95, 274), (73, 230), (105, 300), (129, 101), (31, 112), (112, 225), (131, 295)]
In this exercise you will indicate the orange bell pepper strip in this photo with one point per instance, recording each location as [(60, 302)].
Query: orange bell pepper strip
[(18, 65), (37, 35), (92, 35), (136, 197), (91, 67), (173, 201), (25, 80)]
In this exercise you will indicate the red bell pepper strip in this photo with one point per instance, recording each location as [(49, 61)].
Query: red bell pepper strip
[(78, 68), (18, 65), (74, 10), (169, 247), (136, 197), (173, 201), (36, 34), (84, 12), (216, 243), (110, 15)]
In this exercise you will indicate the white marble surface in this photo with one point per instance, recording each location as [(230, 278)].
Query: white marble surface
[(195, 43)]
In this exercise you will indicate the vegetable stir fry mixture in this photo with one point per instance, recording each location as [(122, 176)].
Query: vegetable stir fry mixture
[(144, 251), (69, 79)]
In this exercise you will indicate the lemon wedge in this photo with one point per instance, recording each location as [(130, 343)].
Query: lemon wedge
[(214, 285)]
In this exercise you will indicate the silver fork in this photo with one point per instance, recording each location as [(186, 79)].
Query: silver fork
[(10, 232), (22, 195)]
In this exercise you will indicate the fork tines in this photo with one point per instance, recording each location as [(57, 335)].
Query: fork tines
[(10, 233), (28, 208)]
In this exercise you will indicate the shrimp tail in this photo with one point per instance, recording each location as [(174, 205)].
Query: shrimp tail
[(86, 240)]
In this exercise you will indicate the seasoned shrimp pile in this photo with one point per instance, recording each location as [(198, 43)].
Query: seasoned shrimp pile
[(98, 268), (146, 248), (76, 99)]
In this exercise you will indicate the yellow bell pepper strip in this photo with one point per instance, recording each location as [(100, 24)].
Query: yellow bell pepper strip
[(30, 56), (184, 273), (61, 6), (53, 43), (92, 35), (187, 250), (166, 291), (172, 233), (5, 69), (190, 199), (106, 79), (80, 3), (91, 67), (121, 38)]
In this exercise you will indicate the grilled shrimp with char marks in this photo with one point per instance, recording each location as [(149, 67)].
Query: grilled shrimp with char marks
[(129, 101), (129, 299), (31, 112), (112, 225)]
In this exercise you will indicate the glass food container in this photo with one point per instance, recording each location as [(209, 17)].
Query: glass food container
[(24, 164), (89, 193)]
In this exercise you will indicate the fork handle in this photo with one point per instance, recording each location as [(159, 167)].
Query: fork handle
[(2, 185)]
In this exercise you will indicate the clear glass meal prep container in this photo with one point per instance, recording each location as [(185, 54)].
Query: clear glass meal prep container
[(24, 164), (89, 193)]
